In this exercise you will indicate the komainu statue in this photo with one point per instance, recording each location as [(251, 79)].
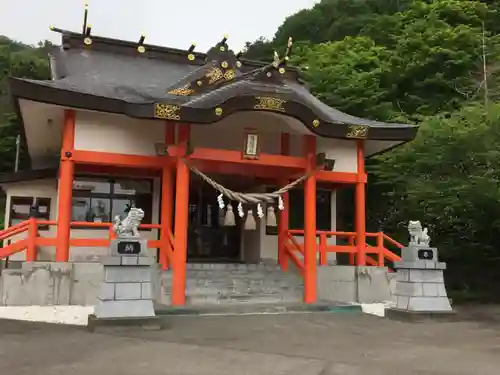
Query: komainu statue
[(418, 236), (129, 227)]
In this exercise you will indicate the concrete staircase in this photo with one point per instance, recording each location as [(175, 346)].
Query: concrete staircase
[(229, 284)]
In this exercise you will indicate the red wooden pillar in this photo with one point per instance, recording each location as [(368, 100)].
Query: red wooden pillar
[(284, 214), (65, 191), (181, 221), (360, 206), (310, 222), (167, 191)]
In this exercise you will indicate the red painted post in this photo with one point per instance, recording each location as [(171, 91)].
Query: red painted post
[(310, 245), (380, 248), (167, 204), (352, 256), (181, 223), (360, 207), (323, 254), (283, 221), (65, 191), (32, 234)]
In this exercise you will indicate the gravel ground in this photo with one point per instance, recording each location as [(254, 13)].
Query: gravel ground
[(318, 343)]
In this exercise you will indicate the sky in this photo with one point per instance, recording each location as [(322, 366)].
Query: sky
[(170, 23)]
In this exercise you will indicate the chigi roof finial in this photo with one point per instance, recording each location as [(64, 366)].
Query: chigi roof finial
[(85, 15), (140, 44), (191, 55)]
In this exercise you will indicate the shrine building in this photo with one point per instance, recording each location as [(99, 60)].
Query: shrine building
[(175, 133)]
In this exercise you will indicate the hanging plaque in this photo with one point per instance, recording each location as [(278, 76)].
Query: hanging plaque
[(251, 148)]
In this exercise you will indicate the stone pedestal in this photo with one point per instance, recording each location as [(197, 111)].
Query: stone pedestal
[(126, 288), (420, 284)]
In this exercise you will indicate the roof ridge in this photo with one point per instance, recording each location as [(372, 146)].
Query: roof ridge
[(72, 39)]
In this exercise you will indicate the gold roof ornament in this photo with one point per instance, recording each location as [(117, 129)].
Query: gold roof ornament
[(222, 44), (140, 44), (88, 40), (191, 56)]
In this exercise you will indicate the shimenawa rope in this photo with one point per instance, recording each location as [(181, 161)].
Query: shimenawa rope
[(246, 198)]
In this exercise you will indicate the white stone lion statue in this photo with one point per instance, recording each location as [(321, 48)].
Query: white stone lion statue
[(129, 227), (418, 236)]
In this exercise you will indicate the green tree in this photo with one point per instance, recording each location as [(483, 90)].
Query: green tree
[(448, 177), (16, 60), (349, 75)]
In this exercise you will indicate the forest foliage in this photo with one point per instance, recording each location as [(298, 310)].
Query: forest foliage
[(435, 63)]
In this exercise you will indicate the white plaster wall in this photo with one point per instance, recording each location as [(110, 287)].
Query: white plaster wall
[(342, 151), (120, 134), (47, 188)]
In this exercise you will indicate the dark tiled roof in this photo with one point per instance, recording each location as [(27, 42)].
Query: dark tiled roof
[(112, 76), (28, 175)]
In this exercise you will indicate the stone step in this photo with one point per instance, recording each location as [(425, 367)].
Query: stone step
[(258, 308), (237, 283)]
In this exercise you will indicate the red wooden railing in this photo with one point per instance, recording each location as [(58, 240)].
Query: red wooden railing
[(34, 240), (295, 249)]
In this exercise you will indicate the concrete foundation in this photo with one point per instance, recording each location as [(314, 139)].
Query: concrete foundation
[(50, 283), (126, 289), (355, 284), (420, 282)]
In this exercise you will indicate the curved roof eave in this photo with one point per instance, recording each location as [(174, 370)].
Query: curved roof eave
[(288, 100)]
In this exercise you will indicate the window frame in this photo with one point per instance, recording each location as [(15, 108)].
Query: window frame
[(112, 196), (41, 201)]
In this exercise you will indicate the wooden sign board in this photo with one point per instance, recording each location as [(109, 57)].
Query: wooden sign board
[(251, 147)]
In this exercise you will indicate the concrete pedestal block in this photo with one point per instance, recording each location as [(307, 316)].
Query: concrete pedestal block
[(126, 288), (420, 286), (124, 309)]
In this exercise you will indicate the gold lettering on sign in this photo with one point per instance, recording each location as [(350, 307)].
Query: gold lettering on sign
[(357, 131), (270, 103), (167, 111)]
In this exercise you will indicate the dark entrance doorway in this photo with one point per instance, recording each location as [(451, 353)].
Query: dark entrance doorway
[(208, 239)]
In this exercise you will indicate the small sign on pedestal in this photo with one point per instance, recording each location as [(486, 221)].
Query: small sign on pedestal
[(125, 247), (126, 291)]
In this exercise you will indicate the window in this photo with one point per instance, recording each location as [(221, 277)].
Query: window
[(296, 218), (22, 208), (100, 200)]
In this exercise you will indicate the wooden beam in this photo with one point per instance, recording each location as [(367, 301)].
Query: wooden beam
[(119, 160), (231, 156)]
